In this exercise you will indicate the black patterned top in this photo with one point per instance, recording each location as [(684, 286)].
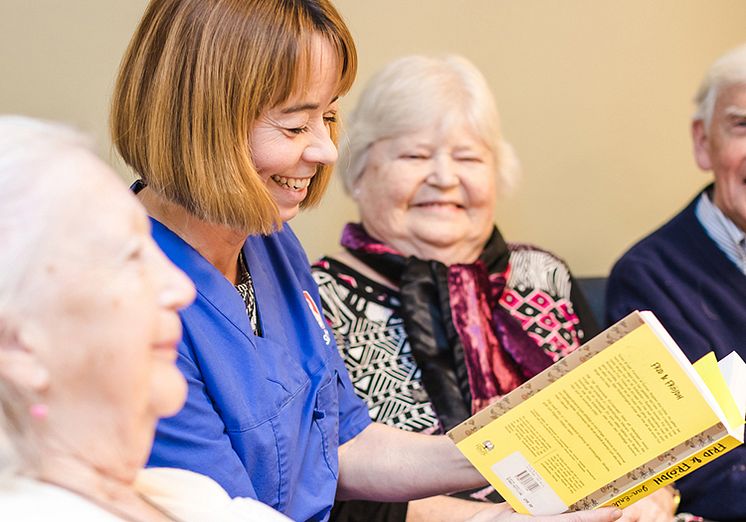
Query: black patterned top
[(245, 288), (370, 335), (371, 339)]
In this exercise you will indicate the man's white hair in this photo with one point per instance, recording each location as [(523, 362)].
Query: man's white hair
[(28, 192), (415, 92), (729, 69)]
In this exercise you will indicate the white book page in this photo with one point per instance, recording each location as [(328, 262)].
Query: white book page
[(652, 321), (733, 369)]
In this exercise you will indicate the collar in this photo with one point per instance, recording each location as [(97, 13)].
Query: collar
[(724, 232)]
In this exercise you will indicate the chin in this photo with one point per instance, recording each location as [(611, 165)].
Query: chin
[(168, 393), (286, 214), (444, 238)]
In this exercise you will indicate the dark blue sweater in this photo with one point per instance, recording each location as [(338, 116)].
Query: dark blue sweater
[(699, 295)]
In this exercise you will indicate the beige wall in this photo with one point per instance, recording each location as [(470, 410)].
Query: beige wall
[(595, 96)]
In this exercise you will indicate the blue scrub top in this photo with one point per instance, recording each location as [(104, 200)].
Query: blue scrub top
[(264, 416)]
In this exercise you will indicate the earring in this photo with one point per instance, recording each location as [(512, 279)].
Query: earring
[(38, 411)]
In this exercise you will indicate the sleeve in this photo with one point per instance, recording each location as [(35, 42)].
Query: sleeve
[(195, 439), (635, 284), (186, 495)]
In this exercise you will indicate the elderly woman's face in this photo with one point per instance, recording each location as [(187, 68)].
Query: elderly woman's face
[(290, 141), (109, 311), (430, 193)]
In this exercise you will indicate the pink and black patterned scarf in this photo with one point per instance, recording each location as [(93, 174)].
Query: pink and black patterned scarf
[(470, 350)]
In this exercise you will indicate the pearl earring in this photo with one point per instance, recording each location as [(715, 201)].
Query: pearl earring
[(39, 411)]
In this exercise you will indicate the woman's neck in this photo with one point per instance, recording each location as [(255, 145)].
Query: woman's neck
[(110, 492), (463, 250), (219, 244)]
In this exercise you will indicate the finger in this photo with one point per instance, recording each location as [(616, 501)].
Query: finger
[(608, 514)]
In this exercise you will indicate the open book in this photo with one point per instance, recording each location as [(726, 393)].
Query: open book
[(622, 416)]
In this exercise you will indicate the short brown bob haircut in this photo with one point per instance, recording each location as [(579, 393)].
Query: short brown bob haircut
[(196, 76)]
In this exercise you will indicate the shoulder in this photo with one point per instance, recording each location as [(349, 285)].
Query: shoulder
[(26, 500), (328, 278), (531, 254), (193, 496), (349, 271), (339, 280), (330, 270), (668, 240), (642, 277), (322, 268), (535, 267)]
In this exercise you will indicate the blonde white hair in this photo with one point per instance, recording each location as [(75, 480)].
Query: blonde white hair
[(415, 92), (729, 69), (27, 195)]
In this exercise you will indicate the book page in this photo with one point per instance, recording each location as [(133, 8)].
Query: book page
[(733, 369), (616, 411), (709, 370), (679, 355)]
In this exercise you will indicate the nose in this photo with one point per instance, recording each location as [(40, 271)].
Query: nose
[(176, 289), (321, 149), (444, 172)]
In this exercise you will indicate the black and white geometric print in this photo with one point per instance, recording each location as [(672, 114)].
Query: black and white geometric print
[(371, 340), (245, 288)]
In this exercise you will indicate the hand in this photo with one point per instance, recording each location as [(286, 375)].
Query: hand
[(502, 513), (656, 507)]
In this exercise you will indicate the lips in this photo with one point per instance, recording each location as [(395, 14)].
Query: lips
[(168, 335), (166, 349), (169, 344), (438, 204)]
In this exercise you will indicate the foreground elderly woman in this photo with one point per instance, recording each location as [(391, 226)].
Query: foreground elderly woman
[(434, 313), (88, 334)]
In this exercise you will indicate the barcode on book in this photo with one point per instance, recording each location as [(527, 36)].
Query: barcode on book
[(526, 480), (525, 483)]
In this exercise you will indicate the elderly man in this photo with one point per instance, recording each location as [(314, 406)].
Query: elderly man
[(692, 271)]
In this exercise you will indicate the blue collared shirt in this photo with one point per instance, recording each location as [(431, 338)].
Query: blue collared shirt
[(265, 415), (726, 234)]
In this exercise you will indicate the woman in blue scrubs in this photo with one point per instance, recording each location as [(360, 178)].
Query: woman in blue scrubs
[(227, 111)]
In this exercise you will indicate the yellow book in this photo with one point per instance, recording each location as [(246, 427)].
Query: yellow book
[(623, 415)]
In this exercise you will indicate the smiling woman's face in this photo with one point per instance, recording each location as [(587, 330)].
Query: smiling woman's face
[(430, 194), (289, 142)]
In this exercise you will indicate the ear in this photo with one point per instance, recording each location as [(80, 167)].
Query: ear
[(701, 143), (355, 192), (19, 361)]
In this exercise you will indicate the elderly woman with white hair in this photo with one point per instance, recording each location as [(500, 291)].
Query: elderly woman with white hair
[(88, 332), (434, 313)]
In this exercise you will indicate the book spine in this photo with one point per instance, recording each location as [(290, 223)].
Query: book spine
[(675, 472)]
